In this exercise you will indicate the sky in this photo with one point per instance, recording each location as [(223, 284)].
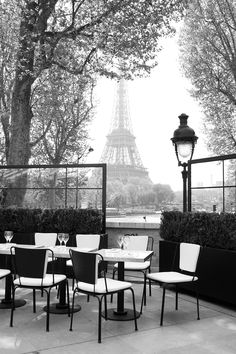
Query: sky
[(155, 103)]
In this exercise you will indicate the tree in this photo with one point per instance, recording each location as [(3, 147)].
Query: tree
[(208, 45), (79, 36), (62, 108), (163, 194)]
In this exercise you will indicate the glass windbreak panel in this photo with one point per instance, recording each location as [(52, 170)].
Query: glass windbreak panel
[(207, 174), (230, 172), (207, 199), (47, 198), (230, 199), (51, 187), (83, 178), (47, 177)]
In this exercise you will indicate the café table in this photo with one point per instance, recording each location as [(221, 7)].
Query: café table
[(120, 313), (61, 253)]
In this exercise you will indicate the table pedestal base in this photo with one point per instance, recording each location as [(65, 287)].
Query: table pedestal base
[(126, 315), (61, 309), (6, 304)]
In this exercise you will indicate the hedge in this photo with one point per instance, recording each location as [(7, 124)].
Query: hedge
[(207, 229), (48, 220)]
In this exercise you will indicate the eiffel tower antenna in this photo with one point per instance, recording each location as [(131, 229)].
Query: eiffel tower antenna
[(120, 152)]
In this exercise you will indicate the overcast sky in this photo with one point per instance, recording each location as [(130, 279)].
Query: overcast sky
[(155, 104)]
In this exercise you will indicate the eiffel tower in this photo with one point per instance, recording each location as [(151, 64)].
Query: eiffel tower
[(120, 152)]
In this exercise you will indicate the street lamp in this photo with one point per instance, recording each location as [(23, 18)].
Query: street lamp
[(184, 140)]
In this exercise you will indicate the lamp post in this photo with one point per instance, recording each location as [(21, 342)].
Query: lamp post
[(184, 141)]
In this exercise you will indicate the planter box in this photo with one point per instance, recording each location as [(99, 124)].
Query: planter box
[(216, 271)]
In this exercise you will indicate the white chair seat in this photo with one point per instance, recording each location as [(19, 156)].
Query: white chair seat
[(47, 280), (171, 277), (135, 265), (100, 287), (4, 273), (69, 263)]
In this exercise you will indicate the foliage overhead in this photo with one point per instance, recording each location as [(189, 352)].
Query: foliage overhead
[(87, 37), (208, 44)]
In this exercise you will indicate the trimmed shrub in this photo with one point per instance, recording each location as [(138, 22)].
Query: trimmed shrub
[(48, 220), (207, 229)]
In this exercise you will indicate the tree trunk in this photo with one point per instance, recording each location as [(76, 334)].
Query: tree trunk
[(19, 152)]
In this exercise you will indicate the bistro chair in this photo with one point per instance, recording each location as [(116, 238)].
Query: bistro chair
[(138, 243), (85, 265), (188, 259), (86, 241), (29, 267), (47, 239), (90, 241)]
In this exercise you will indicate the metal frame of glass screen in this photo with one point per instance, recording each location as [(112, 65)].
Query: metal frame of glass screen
[(102, 166), (222, 158)]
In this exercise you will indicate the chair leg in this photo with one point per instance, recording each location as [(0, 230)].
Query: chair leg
[(68, 297), (163, 304), (99, 319), (135, 317), (113, 277), (176, 297), (105, 304), (48, 310), (144, 287), (34, 299), (72, 310), (12, 306), (150, 283), (198, 316)]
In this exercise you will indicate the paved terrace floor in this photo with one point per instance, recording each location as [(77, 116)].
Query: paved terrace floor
[(181, 333)]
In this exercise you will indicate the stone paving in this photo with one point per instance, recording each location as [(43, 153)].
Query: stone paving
[(181, 333)]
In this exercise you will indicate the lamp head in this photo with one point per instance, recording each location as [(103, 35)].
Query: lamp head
[(184, 140)]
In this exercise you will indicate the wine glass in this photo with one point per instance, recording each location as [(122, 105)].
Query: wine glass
[(120, 242), (66, 238), (60, 237), (8, 235), (126, 241)]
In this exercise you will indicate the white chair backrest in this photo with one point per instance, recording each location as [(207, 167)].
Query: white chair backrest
[(189, 253), (137, 243), (47, 239), (88, 241)]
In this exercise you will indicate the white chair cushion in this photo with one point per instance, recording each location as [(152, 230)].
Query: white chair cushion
[(171, 277), (100, 287), (69, 263), (135, 265), (47, 280), (4, 273)]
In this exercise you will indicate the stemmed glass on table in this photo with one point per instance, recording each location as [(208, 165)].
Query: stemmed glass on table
[(126, 240), (66, 238), (120, 242), (8, 236), (60, 237)]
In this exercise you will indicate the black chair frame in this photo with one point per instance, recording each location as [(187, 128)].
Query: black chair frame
[(175, 286), (25, 270), (93, 293)]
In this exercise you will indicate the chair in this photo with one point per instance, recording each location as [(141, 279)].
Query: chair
[(85, 266), (188, 259), (29, 267), (138, 243), (47, 239), (86, 241)]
